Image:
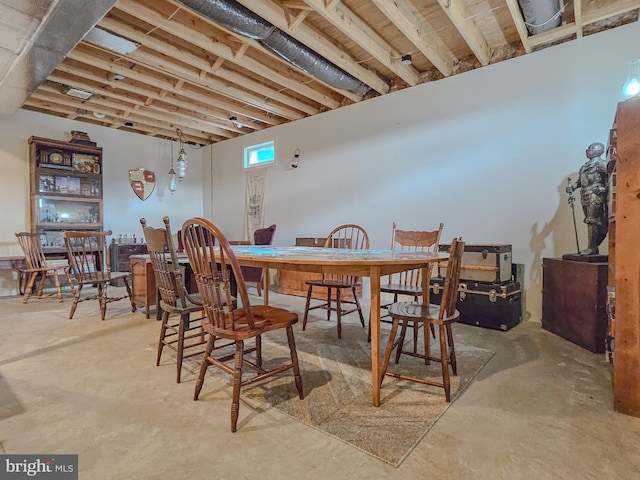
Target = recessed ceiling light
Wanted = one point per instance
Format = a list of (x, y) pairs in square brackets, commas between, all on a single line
[(111, 41), (77, 93)]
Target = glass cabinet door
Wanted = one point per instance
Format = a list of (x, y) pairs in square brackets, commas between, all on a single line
[(66, 213), (54, 183)]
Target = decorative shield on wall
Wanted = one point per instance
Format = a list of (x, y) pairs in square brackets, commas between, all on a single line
[(142, 182)]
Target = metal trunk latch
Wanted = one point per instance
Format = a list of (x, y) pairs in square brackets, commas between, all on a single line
[(493, 295)]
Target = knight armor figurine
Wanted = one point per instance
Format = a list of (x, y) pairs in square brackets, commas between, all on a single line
[(592, 182)]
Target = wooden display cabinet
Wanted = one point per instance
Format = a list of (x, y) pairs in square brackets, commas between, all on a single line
[(624, 257), (66, 189)]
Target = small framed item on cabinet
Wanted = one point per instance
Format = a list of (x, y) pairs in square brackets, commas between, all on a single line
[(85, 163), (55, 159)]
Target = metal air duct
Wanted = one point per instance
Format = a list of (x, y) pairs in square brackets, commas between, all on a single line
[(541, 15), (63, 26), (239, 19)]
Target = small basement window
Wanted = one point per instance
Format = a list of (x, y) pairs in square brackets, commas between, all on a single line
[(260, 155)]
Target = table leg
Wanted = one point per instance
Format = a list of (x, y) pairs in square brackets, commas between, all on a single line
[(265, 285), (374, 318), (426, 283)]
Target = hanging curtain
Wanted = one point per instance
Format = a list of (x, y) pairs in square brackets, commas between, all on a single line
[(254, 206)]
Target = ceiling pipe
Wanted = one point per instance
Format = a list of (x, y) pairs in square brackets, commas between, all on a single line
[(541, 15), (239, 19)]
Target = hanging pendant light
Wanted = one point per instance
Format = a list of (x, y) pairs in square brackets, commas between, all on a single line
[(182, 156), (172, 174), (631, 86)]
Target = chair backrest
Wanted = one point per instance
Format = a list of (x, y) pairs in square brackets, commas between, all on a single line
[(349, 237), (32, 250), (264, 236), (180, 248), (88, 255), (212, 268), (414, 241), (169, 279), (450, 293)]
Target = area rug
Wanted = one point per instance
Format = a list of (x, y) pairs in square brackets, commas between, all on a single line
[(336, 376)]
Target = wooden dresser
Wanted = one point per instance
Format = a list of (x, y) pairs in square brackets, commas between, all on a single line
[(574, 299)]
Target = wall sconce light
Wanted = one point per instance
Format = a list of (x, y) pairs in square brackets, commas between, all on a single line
[(631, 86), (295, 163), (182, 156)]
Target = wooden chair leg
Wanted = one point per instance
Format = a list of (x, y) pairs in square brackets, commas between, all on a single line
[(102, 297), (388, 349), (134, 307), (76, 298), (426, 338), (353, 291), (163, 333), (444, 359), (452, 351), (184, 322), (56, 281), (294, 361), (237, 381), (415, 327), (29, 289), (400, 347), (43, 278), (259, 351), (203, 366), (259, 287), (338, 312), (306, 308), (328, 303)]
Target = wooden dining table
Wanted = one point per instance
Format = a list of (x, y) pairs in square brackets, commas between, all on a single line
[(373, 264)]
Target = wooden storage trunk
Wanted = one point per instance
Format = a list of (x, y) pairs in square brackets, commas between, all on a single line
[(483, 263), (489, 305)]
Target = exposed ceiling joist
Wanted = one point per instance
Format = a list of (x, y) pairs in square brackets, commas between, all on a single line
[(183, 69)]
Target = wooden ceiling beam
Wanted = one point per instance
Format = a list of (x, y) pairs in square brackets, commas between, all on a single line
[(577, 15), (216, 118), (215, 86), (403, 16), (353, 26), (111, 107), (457, 13), (518, 20), (156, 45), (595, 11), (221, 50), (40, 103), (160, 83), (589, 15), (221, 110), (319, 43)]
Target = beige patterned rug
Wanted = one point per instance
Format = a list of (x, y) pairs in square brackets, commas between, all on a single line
[(336, 376)]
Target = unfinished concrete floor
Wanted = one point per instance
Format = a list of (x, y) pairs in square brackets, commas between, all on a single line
[(540, 409)]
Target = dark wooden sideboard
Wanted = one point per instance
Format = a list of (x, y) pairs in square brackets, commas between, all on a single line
[(574, 299), (120, 253)]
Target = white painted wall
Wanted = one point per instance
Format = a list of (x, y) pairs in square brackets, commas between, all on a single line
[(122, 151), (487, 152)]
